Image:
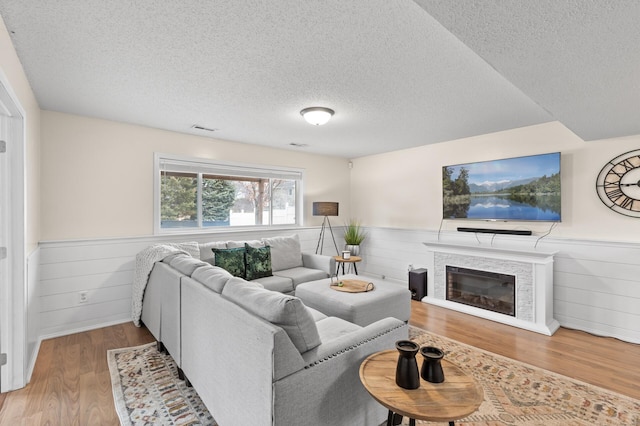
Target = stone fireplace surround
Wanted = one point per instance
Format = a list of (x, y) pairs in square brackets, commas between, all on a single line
[(532, 268)]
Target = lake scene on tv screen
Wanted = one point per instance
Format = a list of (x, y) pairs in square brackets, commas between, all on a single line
[(521, 188)]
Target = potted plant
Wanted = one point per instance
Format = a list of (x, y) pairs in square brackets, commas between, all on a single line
[(353, 236)]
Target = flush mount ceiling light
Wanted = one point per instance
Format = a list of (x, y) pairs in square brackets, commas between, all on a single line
[(317, 115)]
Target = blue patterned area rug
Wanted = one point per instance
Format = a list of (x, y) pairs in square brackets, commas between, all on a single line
[(147, 391)]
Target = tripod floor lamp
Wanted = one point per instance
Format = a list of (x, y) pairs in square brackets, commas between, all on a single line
[(326, 209)]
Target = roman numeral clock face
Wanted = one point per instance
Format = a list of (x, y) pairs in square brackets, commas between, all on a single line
[(618, 184)]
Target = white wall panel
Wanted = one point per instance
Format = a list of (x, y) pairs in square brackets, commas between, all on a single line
[(94, 297), (596, 283), (104, 268), (85, 282)]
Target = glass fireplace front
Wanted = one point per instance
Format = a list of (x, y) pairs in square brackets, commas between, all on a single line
[(482, 289)]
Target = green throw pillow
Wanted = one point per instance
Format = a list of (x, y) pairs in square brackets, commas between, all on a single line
[(232, 260), (258, 262)]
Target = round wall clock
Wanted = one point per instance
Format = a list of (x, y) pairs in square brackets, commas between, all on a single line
[(618, 184)]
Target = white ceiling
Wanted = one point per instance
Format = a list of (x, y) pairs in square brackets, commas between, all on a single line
[(398, 73)]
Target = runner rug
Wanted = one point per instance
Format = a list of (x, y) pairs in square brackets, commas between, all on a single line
[(147, 390)]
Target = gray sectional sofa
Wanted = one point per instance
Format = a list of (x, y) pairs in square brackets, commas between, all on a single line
[(253, 351)]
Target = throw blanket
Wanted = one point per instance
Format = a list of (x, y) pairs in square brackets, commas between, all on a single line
[(144, 264)]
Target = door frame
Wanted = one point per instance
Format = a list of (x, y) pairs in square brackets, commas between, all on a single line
[(13, 303)]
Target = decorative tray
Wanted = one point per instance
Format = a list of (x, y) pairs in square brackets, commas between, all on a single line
[(353, 286)]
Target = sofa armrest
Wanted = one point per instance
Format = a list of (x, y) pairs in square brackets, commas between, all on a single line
[(319, 261)]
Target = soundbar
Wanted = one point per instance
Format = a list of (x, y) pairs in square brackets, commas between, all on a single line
[(496, 231)]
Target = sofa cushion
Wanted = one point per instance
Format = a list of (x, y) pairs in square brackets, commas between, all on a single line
[(276, 283), (257, 262), (186, 264), (238, 244), (212, 277), (302, 275), (317, 316), (285, 252), (330, 328), (231, 259), (287, 312), (168, 259), (206, 253)]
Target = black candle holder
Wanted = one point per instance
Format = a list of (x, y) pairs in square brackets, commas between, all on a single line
[(407, 375), (431, 370)]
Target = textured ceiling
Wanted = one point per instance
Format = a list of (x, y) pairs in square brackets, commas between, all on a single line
[(398, 73)]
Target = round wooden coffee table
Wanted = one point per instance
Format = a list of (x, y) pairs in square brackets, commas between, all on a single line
[(351, 261), (457, 397)]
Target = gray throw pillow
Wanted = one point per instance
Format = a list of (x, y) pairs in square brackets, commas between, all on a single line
[(287, 312), (285, 252)]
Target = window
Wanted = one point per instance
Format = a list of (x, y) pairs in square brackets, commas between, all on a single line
[(198, 194)]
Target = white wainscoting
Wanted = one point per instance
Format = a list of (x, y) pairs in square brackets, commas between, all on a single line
[(596, 283), (104, 269)]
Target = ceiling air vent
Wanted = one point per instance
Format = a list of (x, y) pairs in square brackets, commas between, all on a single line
[(202, 128)]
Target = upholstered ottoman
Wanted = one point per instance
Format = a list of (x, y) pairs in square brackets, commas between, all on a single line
[(385, 300)]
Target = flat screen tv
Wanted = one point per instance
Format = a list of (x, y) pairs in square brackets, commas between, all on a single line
[(520, 188)]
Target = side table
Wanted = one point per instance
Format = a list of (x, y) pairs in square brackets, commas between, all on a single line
[(455, 398), (351, 261)]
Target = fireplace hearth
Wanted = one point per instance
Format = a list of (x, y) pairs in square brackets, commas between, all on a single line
[(482, 289)]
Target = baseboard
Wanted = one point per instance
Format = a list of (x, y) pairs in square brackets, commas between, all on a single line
[(83, 329)]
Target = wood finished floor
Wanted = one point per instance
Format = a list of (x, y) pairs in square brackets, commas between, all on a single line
[(71, 384)]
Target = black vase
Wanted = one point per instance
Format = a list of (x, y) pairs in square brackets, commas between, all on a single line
[(431, 370), (407, 375)]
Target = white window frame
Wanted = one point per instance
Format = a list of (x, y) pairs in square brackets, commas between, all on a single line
[(228, 168)]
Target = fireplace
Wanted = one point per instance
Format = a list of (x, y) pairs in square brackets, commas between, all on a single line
[(482, 289), (520, 283)]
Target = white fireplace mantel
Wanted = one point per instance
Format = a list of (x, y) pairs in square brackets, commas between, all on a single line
[(534, 281)]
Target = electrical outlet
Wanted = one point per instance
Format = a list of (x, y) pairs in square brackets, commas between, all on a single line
[(83, 297)]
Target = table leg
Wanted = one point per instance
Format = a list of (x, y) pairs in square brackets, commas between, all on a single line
[(394, 419), (355, 268)]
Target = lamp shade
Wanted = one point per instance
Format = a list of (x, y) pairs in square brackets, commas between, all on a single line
[(325, 208), (317, 115)]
